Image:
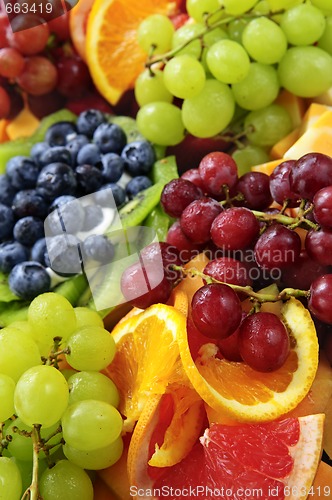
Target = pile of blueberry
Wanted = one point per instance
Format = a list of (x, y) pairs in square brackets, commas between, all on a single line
[(76, 159)]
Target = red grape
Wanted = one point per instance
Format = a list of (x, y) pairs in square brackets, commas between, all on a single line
[(28, 41), (229, 347), (43, 105), (176, 196), (4, 103), (303, 272), (74, 78), (60, 27), (323, 207), (188, 249), (263, 341), (256, 190), (277, 247), (11, 62), (311, 173), (234, 229), (318, 244), (39, 76), (218, 170), (4, 24), (197, 218), (162, 254), (216, 310), (280, 184), (193, 176), (319, 303), (229, 270)]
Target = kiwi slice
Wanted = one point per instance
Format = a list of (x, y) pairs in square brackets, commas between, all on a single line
[(164, 170), (137, 209), (159, 221)]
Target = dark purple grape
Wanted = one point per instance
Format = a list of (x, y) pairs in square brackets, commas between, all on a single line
[(216, 310), (277, 247), (187, 248), (280, 184), (323, 207), (303, 272), (319, 303), (263, 341), (311, 173), (318, 244), (197, 218), (234, 229), (256, 190), (217, 170), (229, 270), (177, 195)]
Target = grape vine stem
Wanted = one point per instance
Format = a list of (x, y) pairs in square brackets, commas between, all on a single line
[(32, 492)]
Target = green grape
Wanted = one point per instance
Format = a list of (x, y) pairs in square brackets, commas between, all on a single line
[(22, 326), (264, 40), (91, 348), (210, 39), (198, 9), (262, 8), (87, 317), (25, 469), (95, 459), (91, 424), (247, 157), (236, 7), (306, 71), (155, 31), (18, 352), (276, 5), (10, 480), (41, 396), (68, 372), (323, 5), (325, 41), (184, 35), (150, 87), (21, 446), (267, 126), (228, 61), (210, 112), (184, 76), (51, 315), (236, 28), (92, 385), (161, 123), (7, 388), (258, 89), (65, 481), (303, 24)]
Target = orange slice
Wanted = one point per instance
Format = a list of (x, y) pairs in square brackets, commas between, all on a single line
[(78, 18), (113, 55)]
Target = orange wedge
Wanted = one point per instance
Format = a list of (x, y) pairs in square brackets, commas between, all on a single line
[(113, 55), (78, 18)]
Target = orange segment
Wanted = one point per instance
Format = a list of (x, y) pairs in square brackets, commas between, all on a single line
[(78, 17), (113, 55)]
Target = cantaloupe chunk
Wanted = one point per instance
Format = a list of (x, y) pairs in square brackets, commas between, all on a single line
[(24, 125), (268, 167), (318, 138), (295, 106), (280, 148)]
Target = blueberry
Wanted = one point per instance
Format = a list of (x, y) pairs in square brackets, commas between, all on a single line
[(138, 156), (102, 196), (75, 144), (7, 221), (29, 279), (112, 167), (39, 251), (98, 247), (64, 255), (37, 150), (56, 154), (89, 178), (28, 230), (22, 172), (110, 138), (136, 185), (67, 215), (11, 253), (89, 154), (93, 217), (7, 191), (60, 133), (89, 120), (56, 179), (29, 202)]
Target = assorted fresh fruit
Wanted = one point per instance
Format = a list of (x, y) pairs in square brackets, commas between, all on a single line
[(165, 279)]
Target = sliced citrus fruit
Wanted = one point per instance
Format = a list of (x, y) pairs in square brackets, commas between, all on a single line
[(113, 55), (271, 460), (248, 395), (147, 357), (78, 18)]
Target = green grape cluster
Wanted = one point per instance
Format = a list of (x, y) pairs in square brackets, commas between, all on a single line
[(56, 423), (232, 55)]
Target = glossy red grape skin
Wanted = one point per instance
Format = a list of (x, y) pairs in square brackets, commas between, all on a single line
[(217, 170), (229, 347), (216, 310), (303, 272), (197, 218), (323, 207), (319, 303), (228, 270), (73, 77), (193, 176), (164, 254), (29, 41), (176, 196), (280, 184), (311, 173), (234, 229), (187, 248), (263, 341), (318, 245), (11, 62), (39, 76), (277, 247), (255, 187)]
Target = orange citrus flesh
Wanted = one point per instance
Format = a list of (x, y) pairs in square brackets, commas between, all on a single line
[(113, 55), (78, 18)]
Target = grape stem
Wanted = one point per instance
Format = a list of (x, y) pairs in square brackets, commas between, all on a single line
[(260, 297), (286, 220), (32, 492)]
